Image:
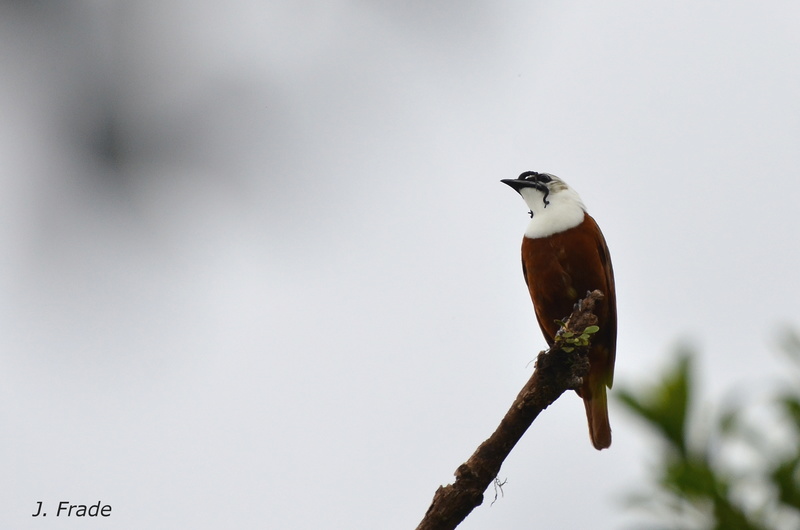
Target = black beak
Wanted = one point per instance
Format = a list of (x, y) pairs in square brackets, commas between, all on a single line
[(518, 184)]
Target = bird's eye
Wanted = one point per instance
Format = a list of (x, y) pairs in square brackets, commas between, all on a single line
[(529, 175), (533, 176)]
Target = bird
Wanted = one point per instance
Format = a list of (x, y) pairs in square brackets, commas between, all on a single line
[(564, 255)]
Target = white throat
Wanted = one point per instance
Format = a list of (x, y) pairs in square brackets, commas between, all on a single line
[(564, 210)]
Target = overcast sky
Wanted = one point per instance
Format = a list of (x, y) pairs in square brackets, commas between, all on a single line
[(258, 269)]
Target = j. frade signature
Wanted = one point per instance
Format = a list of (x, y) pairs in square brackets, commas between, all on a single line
[(65, 509)]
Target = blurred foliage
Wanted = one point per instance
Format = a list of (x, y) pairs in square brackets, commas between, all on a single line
[(733, 469)]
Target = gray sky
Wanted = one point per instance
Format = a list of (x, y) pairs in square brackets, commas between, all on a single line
[(259, 271)]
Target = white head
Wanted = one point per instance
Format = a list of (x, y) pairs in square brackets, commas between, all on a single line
[(555, 207)]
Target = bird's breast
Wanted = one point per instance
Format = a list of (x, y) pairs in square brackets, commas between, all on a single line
[(560, 269)]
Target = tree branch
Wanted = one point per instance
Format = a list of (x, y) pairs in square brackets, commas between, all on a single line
[(556, 371)]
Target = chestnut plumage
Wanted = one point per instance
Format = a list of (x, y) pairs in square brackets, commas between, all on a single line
[(564, 255)]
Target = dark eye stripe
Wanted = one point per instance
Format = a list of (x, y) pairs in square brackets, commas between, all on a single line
[(535, 177)]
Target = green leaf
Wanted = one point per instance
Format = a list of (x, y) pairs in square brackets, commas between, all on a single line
[(729, 421), (790, 343), (592, 329), (691, 478), (786, 477), (665, 405), (791, 405)]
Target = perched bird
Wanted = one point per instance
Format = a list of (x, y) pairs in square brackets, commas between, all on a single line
[(564, 255)]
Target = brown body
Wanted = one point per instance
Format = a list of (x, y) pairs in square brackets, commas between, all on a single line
[(559, 270)]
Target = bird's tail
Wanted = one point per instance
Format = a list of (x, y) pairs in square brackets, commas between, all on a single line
[(596, 403)]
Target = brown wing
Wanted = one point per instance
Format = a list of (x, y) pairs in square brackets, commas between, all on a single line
[(611, 296)]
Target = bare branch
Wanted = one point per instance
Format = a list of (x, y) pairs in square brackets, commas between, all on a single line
[(556, 371)]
